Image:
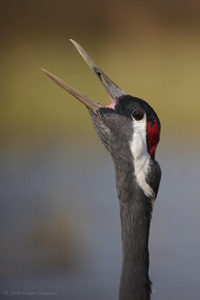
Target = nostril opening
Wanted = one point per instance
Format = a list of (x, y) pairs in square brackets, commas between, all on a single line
[(99, 75), (101, 78)]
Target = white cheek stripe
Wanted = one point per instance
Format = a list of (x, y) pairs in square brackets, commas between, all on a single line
[(141, 157)]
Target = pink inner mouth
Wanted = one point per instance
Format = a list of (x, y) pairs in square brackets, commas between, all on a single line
[(112, 105)]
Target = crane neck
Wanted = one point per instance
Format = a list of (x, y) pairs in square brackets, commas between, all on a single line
[(135, 214)]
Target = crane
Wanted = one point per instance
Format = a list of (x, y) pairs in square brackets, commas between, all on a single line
[(129, 128)]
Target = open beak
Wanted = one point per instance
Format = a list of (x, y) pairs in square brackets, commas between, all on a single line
[(112, 89)]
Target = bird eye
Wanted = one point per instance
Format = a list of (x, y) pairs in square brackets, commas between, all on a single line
[(138, 114)]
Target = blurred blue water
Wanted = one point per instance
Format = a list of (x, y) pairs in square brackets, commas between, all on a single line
[(73, 190)]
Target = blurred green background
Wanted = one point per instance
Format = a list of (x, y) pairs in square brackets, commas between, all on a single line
[(53, 220), (150, 49)]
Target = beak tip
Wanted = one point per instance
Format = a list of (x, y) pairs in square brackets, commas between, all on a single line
[(76, 45), (45, 71)]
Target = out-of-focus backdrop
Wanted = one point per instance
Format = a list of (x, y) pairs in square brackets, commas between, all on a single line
[(59, 215)]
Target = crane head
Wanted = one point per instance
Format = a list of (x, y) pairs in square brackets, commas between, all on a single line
[(128, 127)]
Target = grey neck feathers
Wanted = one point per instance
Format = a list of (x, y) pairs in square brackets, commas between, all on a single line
[(135, 213)]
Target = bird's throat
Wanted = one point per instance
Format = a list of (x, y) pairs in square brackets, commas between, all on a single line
[(135, 213)]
